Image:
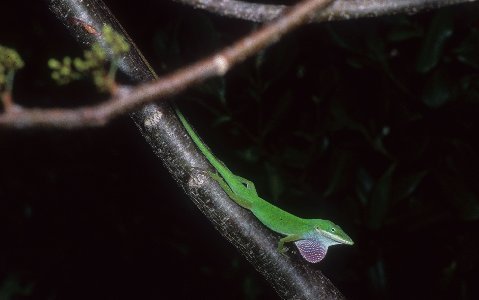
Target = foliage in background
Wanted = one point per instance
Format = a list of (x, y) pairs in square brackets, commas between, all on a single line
[(371, 123), (93, 62), (375, 127)]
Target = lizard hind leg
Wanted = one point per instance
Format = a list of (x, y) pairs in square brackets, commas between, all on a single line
[(241, 201), (248, 184)]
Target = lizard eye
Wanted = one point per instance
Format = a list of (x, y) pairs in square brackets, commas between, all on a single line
[(333, 229)]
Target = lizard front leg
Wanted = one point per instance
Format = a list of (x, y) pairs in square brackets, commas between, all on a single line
[(287, 239)]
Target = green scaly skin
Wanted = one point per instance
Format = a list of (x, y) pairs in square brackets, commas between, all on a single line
[(322, 233)]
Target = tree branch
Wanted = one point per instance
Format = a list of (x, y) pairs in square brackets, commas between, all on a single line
[(129, 99), (339, 10), (291, 277), (215, 65)]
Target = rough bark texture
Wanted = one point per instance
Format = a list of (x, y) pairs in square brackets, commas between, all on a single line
[(339, 10)]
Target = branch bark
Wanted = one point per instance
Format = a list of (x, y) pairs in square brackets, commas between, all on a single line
[(339, 10), (291, 277)]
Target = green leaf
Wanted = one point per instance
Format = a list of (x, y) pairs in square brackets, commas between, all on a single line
[(380, 199), (468, 51), (365, 184), (221, 119), (404, 30), (340, 162), (250, 154), (405, 186), (438, 90), (463, 200), (376, 49), (276, 185), (440, 29), (295, 158), (215, 88)]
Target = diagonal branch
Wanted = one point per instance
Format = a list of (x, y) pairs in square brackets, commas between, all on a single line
[(131, 98), (290, 277), (339, 10)]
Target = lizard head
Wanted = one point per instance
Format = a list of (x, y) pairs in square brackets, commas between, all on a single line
[(329, 233), (316, 241)]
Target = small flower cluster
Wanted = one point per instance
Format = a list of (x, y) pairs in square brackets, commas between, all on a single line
[(10, 62), (93, 62)]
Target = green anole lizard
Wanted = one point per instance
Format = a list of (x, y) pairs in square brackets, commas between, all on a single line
[(312, 237)]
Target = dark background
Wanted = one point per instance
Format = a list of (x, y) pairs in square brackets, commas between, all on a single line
[(369, 123)]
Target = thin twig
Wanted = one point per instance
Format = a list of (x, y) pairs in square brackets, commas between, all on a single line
[(339, 10), (131, 98)]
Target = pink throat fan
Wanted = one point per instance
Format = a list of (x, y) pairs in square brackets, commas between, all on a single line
[(311, 250)]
